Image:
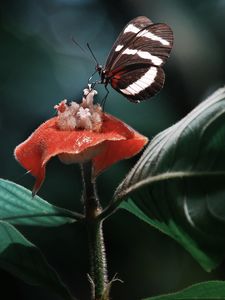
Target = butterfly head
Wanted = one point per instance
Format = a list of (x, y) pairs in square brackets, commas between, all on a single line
[(102, 73), (99, 69)]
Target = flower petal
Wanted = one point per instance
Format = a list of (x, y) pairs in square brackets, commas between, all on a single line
[(116, 141), (120, 149)]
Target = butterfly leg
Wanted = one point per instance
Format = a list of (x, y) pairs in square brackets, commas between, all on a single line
[(90, 84), (89, 80), (105, 98)]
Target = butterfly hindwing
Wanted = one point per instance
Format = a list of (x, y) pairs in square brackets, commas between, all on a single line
[(139, 83)]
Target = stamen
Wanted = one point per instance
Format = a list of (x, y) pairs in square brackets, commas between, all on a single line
[(86, 116)]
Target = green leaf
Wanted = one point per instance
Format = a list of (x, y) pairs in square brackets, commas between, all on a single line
[(24, 260), (210, 290), (18, 207), (178, 185)]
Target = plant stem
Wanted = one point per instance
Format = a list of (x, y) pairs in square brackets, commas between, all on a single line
[(98, 270)]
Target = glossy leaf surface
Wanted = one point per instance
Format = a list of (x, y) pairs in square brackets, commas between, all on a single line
[(209, 290), (24, 260), (18, 207), (178, 185)]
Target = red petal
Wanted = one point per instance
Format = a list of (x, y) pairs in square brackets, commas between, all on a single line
[(120, 149), (118, 140)]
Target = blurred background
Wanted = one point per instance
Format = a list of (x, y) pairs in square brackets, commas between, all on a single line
[(40, 66)]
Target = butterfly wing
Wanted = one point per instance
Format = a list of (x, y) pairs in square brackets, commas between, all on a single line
[(138, 83), (125, 38), (137, 56), (144, 50)]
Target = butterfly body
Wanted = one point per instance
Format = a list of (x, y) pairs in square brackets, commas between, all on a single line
[(133, 67)]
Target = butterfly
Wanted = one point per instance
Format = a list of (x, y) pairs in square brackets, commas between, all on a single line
[(134, 65)]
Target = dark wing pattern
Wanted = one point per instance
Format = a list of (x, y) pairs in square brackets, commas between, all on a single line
[(134, 63), (125, 38), (150, 45), (140, 83)]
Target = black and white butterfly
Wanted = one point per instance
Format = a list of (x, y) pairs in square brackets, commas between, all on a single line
[(134, 64)]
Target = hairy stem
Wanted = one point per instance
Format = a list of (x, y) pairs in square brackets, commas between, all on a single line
[(98, 268)]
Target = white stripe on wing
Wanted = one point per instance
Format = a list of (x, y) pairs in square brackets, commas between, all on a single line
[(145, 33), (144, 54), (118, 47), (141, 84), (131, 28)]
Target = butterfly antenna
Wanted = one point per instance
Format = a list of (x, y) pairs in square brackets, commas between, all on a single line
[(78, 45), (92, 54), (96, 68), (85, 51)]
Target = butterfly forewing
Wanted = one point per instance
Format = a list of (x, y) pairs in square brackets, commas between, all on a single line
[(150, 45), (125, 38)]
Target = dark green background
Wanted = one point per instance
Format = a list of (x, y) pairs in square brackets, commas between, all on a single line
[(40, 66)]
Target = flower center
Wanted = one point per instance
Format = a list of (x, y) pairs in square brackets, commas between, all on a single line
[(86, 116)]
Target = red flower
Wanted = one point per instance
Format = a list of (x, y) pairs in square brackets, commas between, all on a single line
[(79, 133)]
